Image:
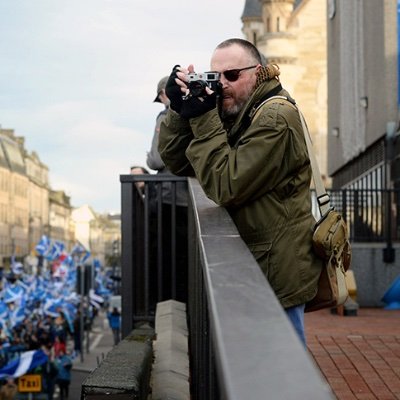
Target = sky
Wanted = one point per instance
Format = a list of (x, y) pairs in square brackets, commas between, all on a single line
[(78, 79)]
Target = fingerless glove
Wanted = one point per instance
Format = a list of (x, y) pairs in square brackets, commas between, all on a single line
[(195, 106), (173, 91)]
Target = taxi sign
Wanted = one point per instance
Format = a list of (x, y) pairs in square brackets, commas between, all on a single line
[(30, 383)]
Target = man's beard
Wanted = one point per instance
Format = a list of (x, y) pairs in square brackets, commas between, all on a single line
[(233, 111)]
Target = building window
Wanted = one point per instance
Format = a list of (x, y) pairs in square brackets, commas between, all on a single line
[(277, 25)]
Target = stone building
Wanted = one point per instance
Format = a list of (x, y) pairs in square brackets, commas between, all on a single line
[(14, 202), (61, 227), (29, 209), (97, 232), (38, 197), (292, 34)]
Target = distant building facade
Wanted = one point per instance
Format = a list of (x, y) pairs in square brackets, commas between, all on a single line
[(29, 209), (292, 34), (61, 227), (38, 197), (363, 84), (14, 202), (97, 232)]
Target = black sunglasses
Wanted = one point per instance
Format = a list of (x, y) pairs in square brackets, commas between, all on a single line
[(232, 75)]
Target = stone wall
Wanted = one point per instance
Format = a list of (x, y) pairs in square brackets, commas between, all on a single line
[(372, 275)]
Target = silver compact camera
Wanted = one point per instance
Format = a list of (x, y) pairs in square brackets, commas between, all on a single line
[(197, 82)]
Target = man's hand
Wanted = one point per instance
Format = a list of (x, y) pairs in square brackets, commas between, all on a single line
[(194, 106), (181, 100), (174, 89)]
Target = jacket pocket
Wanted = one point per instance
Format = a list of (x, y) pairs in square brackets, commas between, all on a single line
[(261, 252)]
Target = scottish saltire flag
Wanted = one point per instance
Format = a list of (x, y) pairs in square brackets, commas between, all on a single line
[(95, 300), (68, 261), (3, 313), (43, 246), (85, 256), (13, 294), (55, 251), (18, 314), (80, 251), (69, 311), (27, 361)]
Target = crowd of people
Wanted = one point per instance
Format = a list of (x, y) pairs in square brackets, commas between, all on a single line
[(54, 337), (42, 316)]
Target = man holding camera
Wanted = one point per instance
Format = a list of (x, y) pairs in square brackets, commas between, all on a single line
[(249, 156)]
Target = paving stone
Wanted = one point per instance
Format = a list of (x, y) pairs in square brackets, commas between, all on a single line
[(358, 355)]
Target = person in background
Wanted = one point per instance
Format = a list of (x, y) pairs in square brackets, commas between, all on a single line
[(77, 335), (249, 156), (8, 390), (137, 170), (114, 319), (63, 380), (154, 160), (174, 195)]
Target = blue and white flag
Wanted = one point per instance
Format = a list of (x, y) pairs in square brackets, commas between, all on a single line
[(17, 315), (28, 361), (95, 300), (17, 268), (80, 251), (43, 246), (55, 251), (13, 294), (3, 313)]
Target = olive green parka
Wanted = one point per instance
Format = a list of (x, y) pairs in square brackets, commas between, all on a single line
[(261, 174)]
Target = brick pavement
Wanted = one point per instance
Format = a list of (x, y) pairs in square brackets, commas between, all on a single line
[(367, 348)]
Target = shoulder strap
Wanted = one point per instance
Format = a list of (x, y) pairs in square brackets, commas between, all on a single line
[(322, 196)]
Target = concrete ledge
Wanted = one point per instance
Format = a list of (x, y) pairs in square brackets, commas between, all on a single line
[(170, 377), (125, 372)]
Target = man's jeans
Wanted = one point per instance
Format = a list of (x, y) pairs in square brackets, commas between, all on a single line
[(296, 316)]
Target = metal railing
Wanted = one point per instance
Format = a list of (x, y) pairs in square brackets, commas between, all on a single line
[(372, 215), (154, 246), (241, 343)]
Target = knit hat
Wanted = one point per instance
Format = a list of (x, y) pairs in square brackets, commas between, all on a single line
[(161, 86)]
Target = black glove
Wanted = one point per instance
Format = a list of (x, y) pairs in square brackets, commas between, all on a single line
[(194, 106), (173, 91)]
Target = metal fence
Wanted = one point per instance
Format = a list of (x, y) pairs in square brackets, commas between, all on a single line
[(241, 342), (371, 215), (154, 245), (242, 345), (154, 237)]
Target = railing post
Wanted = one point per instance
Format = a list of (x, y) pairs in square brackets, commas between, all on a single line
[(389, 254), (127, 255)]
